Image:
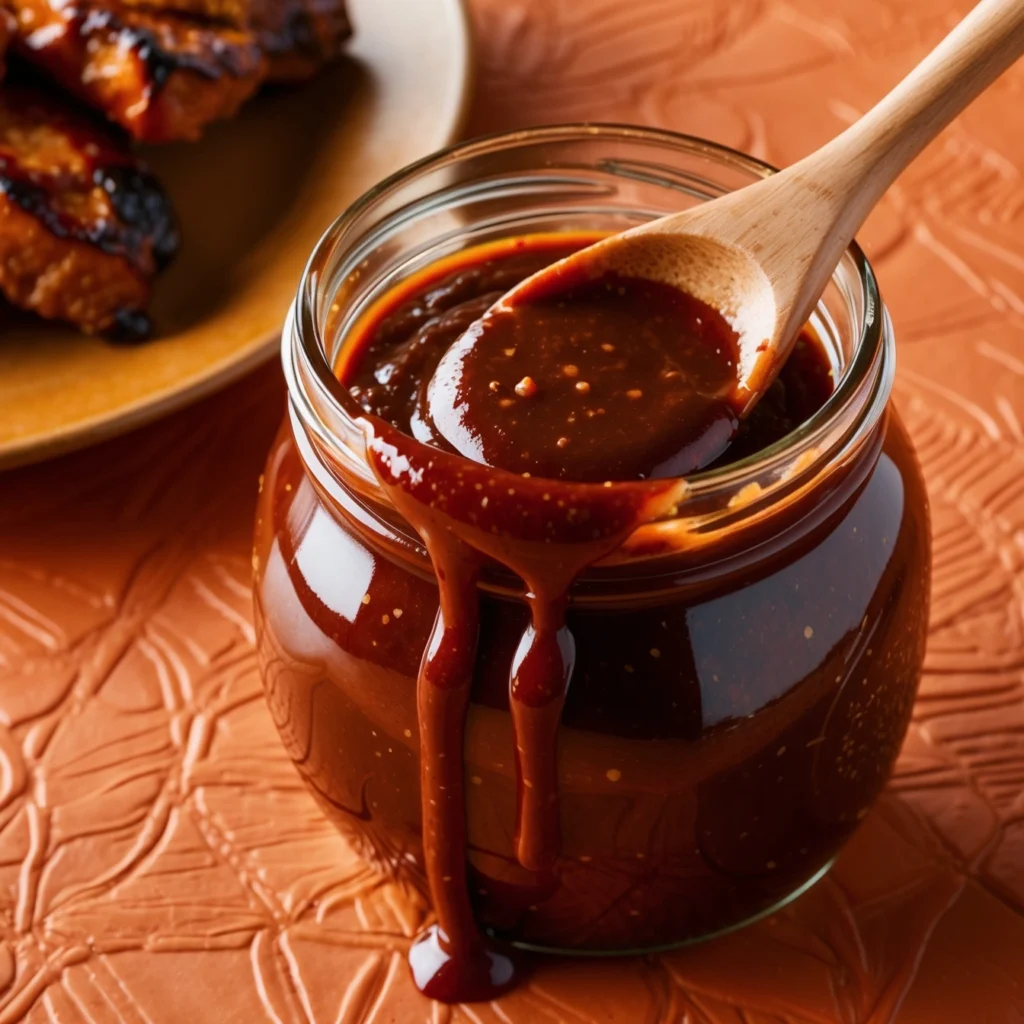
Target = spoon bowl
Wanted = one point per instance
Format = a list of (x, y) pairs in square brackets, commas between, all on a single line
[(722, 275)]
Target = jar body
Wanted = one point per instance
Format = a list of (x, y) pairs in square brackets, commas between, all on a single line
[(722, 735)]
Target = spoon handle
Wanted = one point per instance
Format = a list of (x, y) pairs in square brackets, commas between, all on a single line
[(866, 158), (801, 220)]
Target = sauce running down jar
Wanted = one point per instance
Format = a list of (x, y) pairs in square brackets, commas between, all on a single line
[(746, 645)]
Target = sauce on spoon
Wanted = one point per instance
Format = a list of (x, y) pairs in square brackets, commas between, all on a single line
[(449, 454), (596, 378)]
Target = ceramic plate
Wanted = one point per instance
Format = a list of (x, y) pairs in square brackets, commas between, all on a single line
[(253, 198)]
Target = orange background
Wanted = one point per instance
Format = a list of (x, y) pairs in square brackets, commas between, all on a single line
[(159, 859)]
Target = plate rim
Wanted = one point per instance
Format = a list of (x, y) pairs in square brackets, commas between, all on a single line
[(174, 397)]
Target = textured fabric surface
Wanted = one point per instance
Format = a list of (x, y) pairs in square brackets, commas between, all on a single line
[(159, 858)]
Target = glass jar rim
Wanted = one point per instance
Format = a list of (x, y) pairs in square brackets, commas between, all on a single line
[(865, 383)]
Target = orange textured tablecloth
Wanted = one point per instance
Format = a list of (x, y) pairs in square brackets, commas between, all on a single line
[(159, 858)]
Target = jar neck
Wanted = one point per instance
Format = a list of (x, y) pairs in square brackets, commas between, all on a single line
[(563, 178), (727, 518)]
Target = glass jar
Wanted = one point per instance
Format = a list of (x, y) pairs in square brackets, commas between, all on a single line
[(746, 666)]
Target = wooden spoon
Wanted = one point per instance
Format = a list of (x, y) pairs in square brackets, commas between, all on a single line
[(763, 255)]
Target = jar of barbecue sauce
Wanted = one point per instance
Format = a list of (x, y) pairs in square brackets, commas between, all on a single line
[(723, 665)]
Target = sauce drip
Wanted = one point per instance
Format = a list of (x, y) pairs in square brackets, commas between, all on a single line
[(547, 534), (546, 530)]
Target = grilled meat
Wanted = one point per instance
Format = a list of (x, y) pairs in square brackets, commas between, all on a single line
[(270, 15), (299, 37), (161, 77), (224, 12), (165, 76), (6, 31), (83, 226)]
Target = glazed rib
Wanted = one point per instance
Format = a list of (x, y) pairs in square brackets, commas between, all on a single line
[(161, 77), (317, 25), (226, 12), (6, 32), (83, 226), (300, 37)]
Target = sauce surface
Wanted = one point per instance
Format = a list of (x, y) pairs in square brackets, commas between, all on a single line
[(611, 379), (544, 529)]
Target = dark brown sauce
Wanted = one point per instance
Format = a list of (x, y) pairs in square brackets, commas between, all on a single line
[(396, 349), (546, 531), (611, 378)]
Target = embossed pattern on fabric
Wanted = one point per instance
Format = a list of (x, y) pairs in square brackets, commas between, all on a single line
[(160, 860)]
